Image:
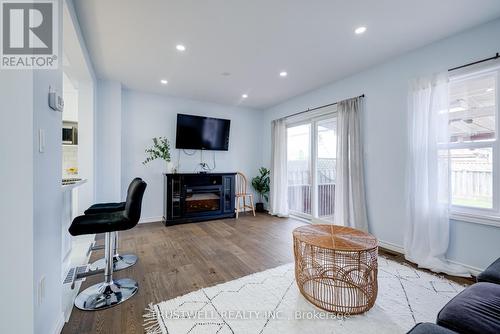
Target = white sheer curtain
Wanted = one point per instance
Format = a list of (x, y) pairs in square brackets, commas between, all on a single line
[(350, 203), (279, 183), (427, 233)]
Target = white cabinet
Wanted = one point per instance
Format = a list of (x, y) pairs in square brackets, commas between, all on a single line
[(70, 113)]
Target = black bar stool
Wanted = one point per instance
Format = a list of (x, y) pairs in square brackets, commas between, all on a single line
[(110, 292), (120, 261)]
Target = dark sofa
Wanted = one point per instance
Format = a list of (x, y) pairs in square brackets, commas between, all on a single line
[(491, 274), (476, 310)]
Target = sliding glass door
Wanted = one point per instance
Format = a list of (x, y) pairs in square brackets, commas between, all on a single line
[(299, 169), (311, 167), (326, 153)]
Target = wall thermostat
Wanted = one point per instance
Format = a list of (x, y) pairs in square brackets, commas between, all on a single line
[(56, 101)]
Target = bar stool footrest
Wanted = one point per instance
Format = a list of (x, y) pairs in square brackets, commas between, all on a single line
[(94, 247), (120, 262), (104, 295)]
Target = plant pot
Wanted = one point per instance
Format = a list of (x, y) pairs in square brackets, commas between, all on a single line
[(169, 166), (259, 207)]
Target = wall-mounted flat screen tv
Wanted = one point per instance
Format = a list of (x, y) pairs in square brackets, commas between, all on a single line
[(202, 133)]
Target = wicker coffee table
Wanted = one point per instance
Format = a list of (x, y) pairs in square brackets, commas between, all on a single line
[(336, 267)]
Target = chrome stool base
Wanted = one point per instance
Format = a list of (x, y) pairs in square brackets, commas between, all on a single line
[(120, 262), (104, 295)]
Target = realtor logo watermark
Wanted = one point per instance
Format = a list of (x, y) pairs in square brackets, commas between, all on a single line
[(29, 34)]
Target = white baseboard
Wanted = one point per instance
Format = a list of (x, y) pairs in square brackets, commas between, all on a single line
[(399, 249), (473, 270), (59, 324), (160, 218), (151, 220), (391, 246)]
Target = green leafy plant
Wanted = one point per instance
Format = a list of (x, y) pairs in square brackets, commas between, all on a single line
[(261, 183), (159, 150)]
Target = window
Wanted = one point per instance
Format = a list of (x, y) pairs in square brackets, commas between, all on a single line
[(473, 165), (311, 164)]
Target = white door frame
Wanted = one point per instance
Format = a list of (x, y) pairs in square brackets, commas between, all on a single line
[(313, 121)]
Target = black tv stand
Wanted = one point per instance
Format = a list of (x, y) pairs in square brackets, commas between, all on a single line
[(193, 197)]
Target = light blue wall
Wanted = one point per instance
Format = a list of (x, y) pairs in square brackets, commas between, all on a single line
[(47, 198), (48, 201), (31, 204), (108, 141), (31, 201), (16, 201), (474, 244), (81, 68), (385, 138), (148, 115)]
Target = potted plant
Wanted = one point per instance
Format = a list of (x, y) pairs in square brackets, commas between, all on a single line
[(159, 150), (261, 185)]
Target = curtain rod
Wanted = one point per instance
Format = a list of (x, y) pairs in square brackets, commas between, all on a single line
[(476, 62), (316, 108)]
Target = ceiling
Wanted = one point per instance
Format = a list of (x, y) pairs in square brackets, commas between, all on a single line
[(134, 42)]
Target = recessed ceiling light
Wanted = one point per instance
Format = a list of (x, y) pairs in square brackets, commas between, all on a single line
[(283, 74), (360, 30), (244, 96), (489, 90), (163, 81), (180, 47)]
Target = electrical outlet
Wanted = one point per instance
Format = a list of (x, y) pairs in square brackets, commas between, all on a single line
[(41, 291)]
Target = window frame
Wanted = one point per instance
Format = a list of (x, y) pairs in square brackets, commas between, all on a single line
[(486, 216), (292, 124), (312, 118)]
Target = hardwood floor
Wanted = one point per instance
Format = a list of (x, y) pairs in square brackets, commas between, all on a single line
[(179, 259)]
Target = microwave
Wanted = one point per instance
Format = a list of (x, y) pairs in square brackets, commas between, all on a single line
[(70, 134)]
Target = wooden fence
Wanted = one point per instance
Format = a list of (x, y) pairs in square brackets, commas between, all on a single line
[(466, 185)]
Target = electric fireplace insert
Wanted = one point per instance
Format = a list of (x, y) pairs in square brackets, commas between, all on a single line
[(198, 197)]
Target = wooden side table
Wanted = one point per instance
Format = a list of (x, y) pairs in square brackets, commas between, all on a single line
[(336, 267)]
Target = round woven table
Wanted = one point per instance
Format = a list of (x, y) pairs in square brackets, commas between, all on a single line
[(336, 267)]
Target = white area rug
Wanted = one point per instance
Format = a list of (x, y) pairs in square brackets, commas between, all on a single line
[(270, 302)]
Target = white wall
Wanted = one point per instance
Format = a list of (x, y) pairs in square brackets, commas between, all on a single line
[(47, 203), (47, 200), (148, 115), (70, 95), (81, 70), (31, 203), (108, 141), (385, 138), (86, 144), (16, 201)]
